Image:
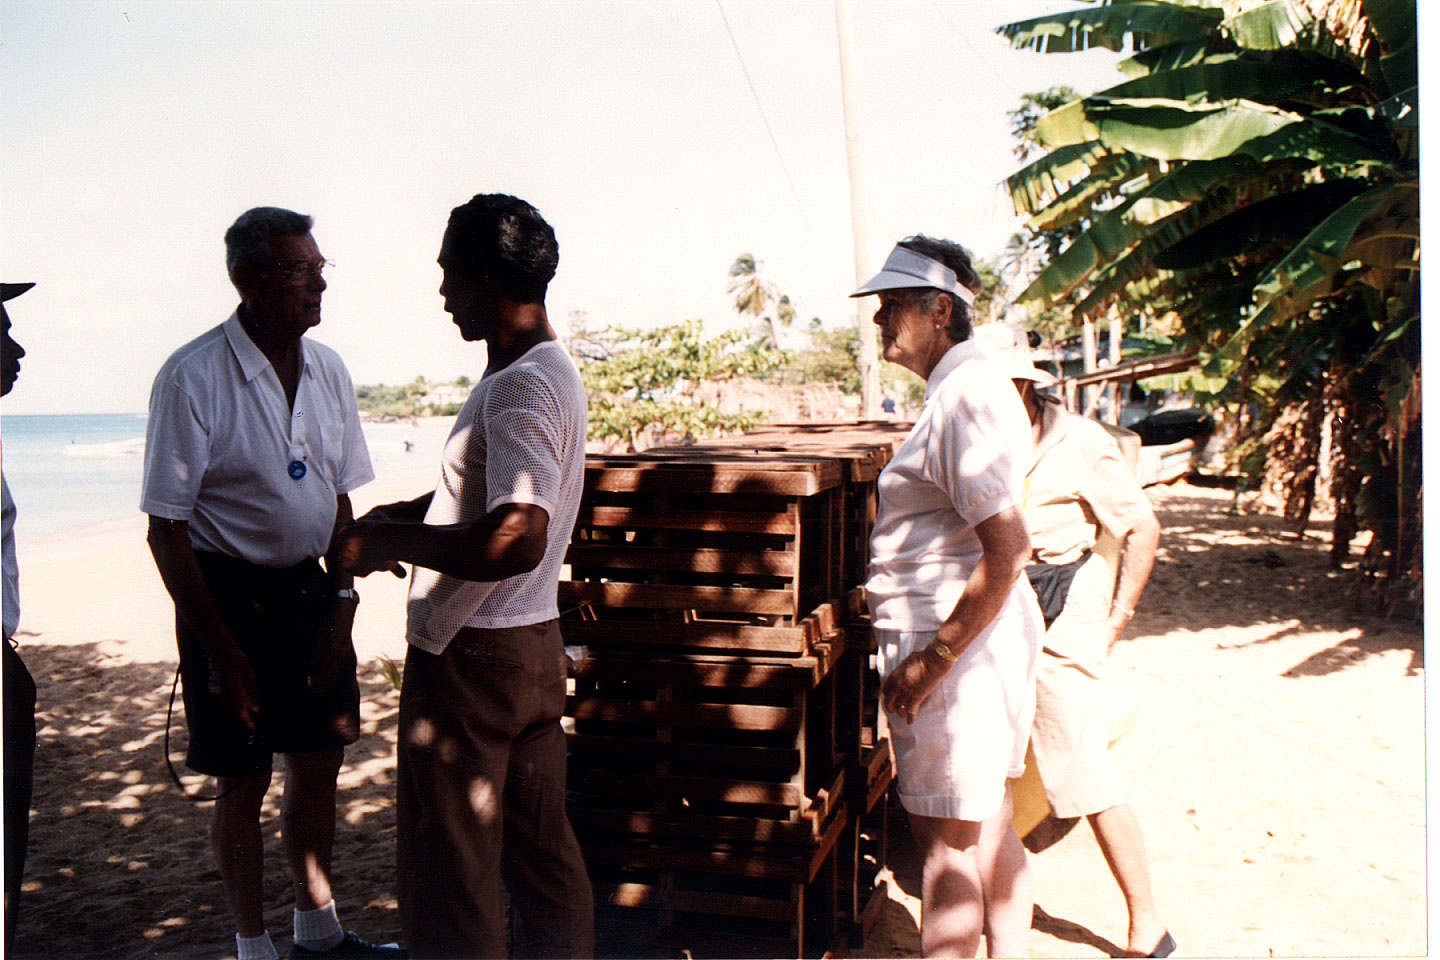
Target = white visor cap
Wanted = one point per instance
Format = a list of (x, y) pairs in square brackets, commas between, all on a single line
[(906, 268), (1007, 346)]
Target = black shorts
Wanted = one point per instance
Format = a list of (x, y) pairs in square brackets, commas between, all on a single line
[(275, 616)]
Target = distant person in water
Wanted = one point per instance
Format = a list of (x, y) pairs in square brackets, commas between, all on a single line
[(19, 687), (252, 448)]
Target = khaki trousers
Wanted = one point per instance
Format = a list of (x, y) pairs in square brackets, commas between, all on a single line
[(481, 798)]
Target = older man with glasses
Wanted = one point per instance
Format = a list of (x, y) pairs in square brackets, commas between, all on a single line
[(252, 447)]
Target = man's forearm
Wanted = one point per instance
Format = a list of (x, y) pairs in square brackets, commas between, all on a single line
[(1137, 559), (169, 542), (502, 544), (402, 511)]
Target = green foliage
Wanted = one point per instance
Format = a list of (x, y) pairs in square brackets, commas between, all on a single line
[(380, 400), (645, 380), (1257, 179)]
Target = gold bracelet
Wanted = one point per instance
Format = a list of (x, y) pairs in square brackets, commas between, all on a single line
[(943, 652)]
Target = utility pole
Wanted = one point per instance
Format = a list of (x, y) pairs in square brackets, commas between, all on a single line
[(869, 356)]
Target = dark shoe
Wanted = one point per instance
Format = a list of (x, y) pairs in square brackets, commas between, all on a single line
[(351, 948), (1165, 947)]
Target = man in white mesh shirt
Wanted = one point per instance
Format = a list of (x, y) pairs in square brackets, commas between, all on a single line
[(481, 755)]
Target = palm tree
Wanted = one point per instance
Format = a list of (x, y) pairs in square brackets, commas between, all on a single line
[(1256, 178), (752, 293)]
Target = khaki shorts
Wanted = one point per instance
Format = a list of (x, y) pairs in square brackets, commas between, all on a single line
[(1075, 702)]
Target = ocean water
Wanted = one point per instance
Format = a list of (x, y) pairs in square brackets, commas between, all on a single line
[(73, 474)]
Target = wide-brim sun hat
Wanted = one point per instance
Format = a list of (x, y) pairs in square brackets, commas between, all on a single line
[(1008, 347), (905, 269), (9, 291)]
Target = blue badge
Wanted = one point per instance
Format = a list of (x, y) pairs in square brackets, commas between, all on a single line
[(297, 469)]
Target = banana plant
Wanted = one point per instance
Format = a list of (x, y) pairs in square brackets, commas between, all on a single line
[(1255, 174)]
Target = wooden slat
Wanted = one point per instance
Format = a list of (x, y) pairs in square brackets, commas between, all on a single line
[(706, 635), (627, 556), (731, 521), (781, 864), (709, 902), (735, 716), (792, 479), (673, 597), (613, 823), (754, 673), (701, 789), (584, 746)]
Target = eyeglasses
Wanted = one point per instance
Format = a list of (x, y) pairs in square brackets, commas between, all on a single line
[(301, 270)]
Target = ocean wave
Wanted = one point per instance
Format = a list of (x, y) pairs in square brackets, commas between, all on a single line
[(112, 449)]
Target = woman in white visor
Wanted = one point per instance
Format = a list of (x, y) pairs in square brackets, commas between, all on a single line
[(958, 627)]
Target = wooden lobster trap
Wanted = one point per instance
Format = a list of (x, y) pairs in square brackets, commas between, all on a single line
[(720, 552)]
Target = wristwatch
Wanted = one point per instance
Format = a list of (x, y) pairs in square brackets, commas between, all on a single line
[(348, 593)]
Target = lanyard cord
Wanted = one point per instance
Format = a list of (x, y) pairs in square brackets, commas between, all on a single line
[(169, 712)]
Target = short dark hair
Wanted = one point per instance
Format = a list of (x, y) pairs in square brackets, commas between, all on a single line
[(506, 237), (247, 241), (957, 258)]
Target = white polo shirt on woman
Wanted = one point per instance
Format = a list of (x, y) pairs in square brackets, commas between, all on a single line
[(963, 463)]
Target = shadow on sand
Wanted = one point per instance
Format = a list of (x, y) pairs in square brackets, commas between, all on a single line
[(119, 862)]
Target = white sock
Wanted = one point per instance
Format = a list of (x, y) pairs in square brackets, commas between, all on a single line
[(317, 929), (255, 948)]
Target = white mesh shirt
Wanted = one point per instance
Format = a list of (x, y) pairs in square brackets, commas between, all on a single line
[(519, 438)]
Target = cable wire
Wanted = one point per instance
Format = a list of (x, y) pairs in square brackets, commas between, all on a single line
[(763, 118)]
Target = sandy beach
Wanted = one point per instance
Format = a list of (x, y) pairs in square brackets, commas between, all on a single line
[(1276, 766)]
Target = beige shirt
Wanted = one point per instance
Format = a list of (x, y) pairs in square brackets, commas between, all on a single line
[(1078, 484)]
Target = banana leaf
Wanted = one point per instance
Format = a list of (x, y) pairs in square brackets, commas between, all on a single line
[(1038, 183), (1114, 232), (1309, 270), (1103, 184), (1285, 218), (1175, 130), (1172, 56), (1400, 67), (1147, 24), (1392, 20), (1270, 26), (1263, 77)]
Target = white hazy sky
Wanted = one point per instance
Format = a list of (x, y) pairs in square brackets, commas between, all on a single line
[(136, 131)]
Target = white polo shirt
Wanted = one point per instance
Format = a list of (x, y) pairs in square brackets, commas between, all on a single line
[(222, 443), (519, 438), (964, 462)]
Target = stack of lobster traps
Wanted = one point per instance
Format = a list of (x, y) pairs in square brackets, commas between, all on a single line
[(727, 777)]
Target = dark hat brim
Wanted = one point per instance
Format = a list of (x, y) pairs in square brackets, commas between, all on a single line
[(9, 291)]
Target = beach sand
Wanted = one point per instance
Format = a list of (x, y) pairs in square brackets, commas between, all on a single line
[(1276, 766)]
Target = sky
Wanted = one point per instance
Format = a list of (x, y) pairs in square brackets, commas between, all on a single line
[(137, 131)]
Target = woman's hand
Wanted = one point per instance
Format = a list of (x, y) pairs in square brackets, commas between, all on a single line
[(912, 682)]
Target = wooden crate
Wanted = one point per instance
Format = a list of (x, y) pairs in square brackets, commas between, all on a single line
[(863, 449), (701, 550), (674, 899), (705, 746), (861, 853)]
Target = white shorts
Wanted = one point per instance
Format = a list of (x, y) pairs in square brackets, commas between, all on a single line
[(969, 735)]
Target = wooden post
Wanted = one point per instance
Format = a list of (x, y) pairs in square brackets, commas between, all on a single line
[(869, 355)]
